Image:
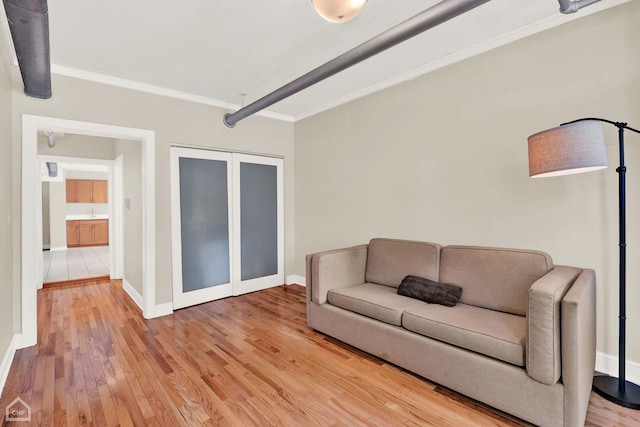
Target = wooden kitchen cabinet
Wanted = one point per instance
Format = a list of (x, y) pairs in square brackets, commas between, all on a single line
[(72, 234), (99, 191), (101, 232), (87, 191), (87, 232), (71, 190), (84, 191)]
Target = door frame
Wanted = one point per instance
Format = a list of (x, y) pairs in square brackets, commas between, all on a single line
[(32, 210)]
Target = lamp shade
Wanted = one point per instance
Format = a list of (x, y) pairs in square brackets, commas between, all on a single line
[(568, 149), (338, 10)]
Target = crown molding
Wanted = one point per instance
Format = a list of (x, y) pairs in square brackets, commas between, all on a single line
[(156, 90), (460, 55)]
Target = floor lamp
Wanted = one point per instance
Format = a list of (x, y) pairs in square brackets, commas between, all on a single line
[(574, 147)]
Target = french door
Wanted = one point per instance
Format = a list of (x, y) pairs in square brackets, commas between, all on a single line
[(227, 224)]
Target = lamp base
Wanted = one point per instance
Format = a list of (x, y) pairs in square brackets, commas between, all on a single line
[(607, 387)]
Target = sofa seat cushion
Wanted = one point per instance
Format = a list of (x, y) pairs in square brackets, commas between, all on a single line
[(492, 333), (376, 301)]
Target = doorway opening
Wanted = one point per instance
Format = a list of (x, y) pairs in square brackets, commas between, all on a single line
[(77, 213), (31, 229)]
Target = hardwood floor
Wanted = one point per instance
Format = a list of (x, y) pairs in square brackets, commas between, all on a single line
[(243, 361)]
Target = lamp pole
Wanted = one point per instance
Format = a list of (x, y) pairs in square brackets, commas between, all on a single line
[(622, 220), (619, 390)]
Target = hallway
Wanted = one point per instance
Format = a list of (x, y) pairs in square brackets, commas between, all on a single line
[(75, 263)]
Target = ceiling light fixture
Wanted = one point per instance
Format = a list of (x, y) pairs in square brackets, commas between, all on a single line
[(338, 11)]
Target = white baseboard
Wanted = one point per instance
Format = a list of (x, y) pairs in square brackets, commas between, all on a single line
[(132, 292), (163, 309), (296, 279), (609, 365), (14, 344), (159, 310)]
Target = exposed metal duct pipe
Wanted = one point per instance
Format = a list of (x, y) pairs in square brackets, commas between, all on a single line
[(569, 6), (29, 25), (421, 22)]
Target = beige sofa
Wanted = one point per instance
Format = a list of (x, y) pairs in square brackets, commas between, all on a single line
[(521, 338)]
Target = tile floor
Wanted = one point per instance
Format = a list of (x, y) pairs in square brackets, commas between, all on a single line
[(75, 263)]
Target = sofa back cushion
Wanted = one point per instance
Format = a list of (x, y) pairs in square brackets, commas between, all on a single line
[(493, 278), (389, 261)]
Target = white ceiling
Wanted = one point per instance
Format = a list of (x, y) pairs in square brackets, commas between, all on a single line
[(214, 51)]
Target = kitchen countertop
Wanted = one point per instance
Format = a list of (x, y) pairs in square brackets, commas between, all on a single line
[(88, 216)]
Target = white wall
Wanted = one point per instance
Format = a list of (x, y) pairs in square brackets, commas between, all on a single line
[(443, 158), (46, 221), (74, 174), (57, 215), (8, 297), (132, 210), (73, 145)]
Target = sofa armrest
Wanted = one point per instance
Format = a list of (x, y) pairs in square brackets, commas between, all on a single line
[(543, 324), (339, 268), (579, 346)]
